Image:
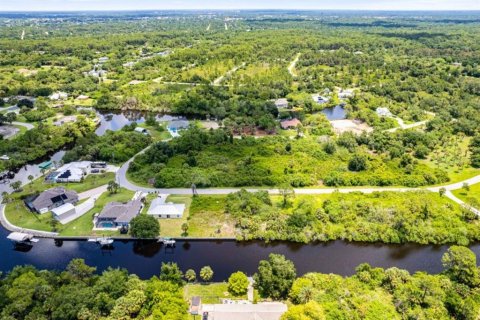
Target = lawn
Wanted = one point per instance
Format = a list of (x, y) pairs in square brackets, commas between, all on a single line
[(90, 182), (205, 217), (18, 214), (83, 225), (155, 133), (210, 293), (471, 196)]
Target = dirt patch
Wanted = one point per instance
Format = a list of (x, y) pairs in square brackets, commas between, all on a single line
[(355, 126)]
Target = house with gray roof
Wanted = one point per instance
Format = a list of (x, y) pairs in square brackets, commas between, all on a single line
[(51, 199), (117, 214), (177, 125)]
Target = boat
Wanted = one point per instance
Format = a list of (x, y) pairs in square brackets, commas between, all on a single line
[(19, 238), (169, 242), (103, 241), (4, 157)]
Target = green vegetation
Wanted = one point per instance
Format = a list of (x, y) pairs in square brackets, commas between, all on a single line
[(41, 141), (275, 277), (209, 293), (144, 227), (376, 293), (238, 283), (471, 195), (215, 159), (113, 147), (78, 293), (390, 217)]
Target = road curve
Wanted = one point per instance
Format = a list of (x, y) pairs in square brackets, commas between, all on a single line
[(29, 126)]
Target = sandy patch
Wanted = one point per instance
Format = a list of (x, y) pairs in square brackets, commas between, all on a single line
[(355, 126)]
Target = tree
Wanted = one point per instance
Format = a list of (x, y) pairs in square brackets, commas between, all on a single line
[(460, 264), (113, 187), (6, 197), (30, 179), (10, 117), (206, 273), (185, 228), (312, 310), (357, 163), (79, 270), (190, 275), (238, 283), (16, 185), (172, 273), (287, 192), (144, 227), (442, 192), (275, 276)]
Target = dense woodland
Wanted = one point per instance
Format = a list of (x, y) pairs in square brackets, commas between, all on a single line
[(422, 68), (371, 293)]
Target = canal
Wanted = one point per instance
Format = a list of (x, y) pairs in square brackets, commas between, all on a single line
[(224, 257)]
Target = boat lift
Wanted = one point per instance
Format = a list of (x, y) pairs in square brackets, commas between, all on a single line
[(20, 238)]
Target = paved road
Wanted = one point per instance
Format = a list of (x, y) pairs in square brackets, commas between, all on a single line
[(122, 180), (29, 126)]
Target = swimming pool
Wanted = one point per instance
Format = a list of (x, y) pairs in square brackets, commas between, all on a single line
[(106, 224)]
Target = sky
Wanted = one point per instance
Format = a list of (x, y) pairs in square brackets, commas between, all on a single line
[(75, 5)]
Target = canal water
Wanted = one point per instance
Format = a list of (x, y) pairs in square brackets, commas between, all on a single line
[(335, 113), (225, 257)]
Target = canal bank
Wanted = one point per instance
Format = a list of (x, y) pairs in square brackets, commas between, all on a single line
[(145, 258)]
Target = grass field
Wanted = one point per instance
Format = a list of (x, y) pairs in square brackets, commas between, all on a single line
[(204, 215), (471, 196), (210, 293)]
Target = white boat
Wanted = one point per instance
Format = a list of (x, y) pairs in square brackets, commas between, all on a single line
[(104, 241), (21, 238), (4, 157), (167, 241)]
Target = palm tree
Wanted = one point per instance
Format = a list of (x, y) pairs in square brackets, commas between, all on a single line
[(206, 273), (30, 179)]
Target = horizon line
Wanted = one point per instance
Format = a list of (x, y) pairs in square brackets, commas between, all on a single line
[(243, 9)]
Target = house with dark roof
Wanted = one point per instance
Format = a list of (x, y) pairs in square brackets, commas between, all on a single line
[(51, 199), (117, 214)]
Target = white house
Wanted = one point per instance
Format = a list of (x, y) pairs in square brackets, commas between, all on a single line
[(58, 96), (72, 172), (320, 99), (383, 112), (281, 103), (345, 93), (141, 130), (160, 209)]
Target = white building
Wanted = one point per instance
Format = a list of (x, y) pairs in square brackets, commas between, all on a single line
[(160, 209), (58, 96), (141, 130), (72, 172), (320, 99), (63, 212), (281, 103), (383, 112), (345, 93)]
